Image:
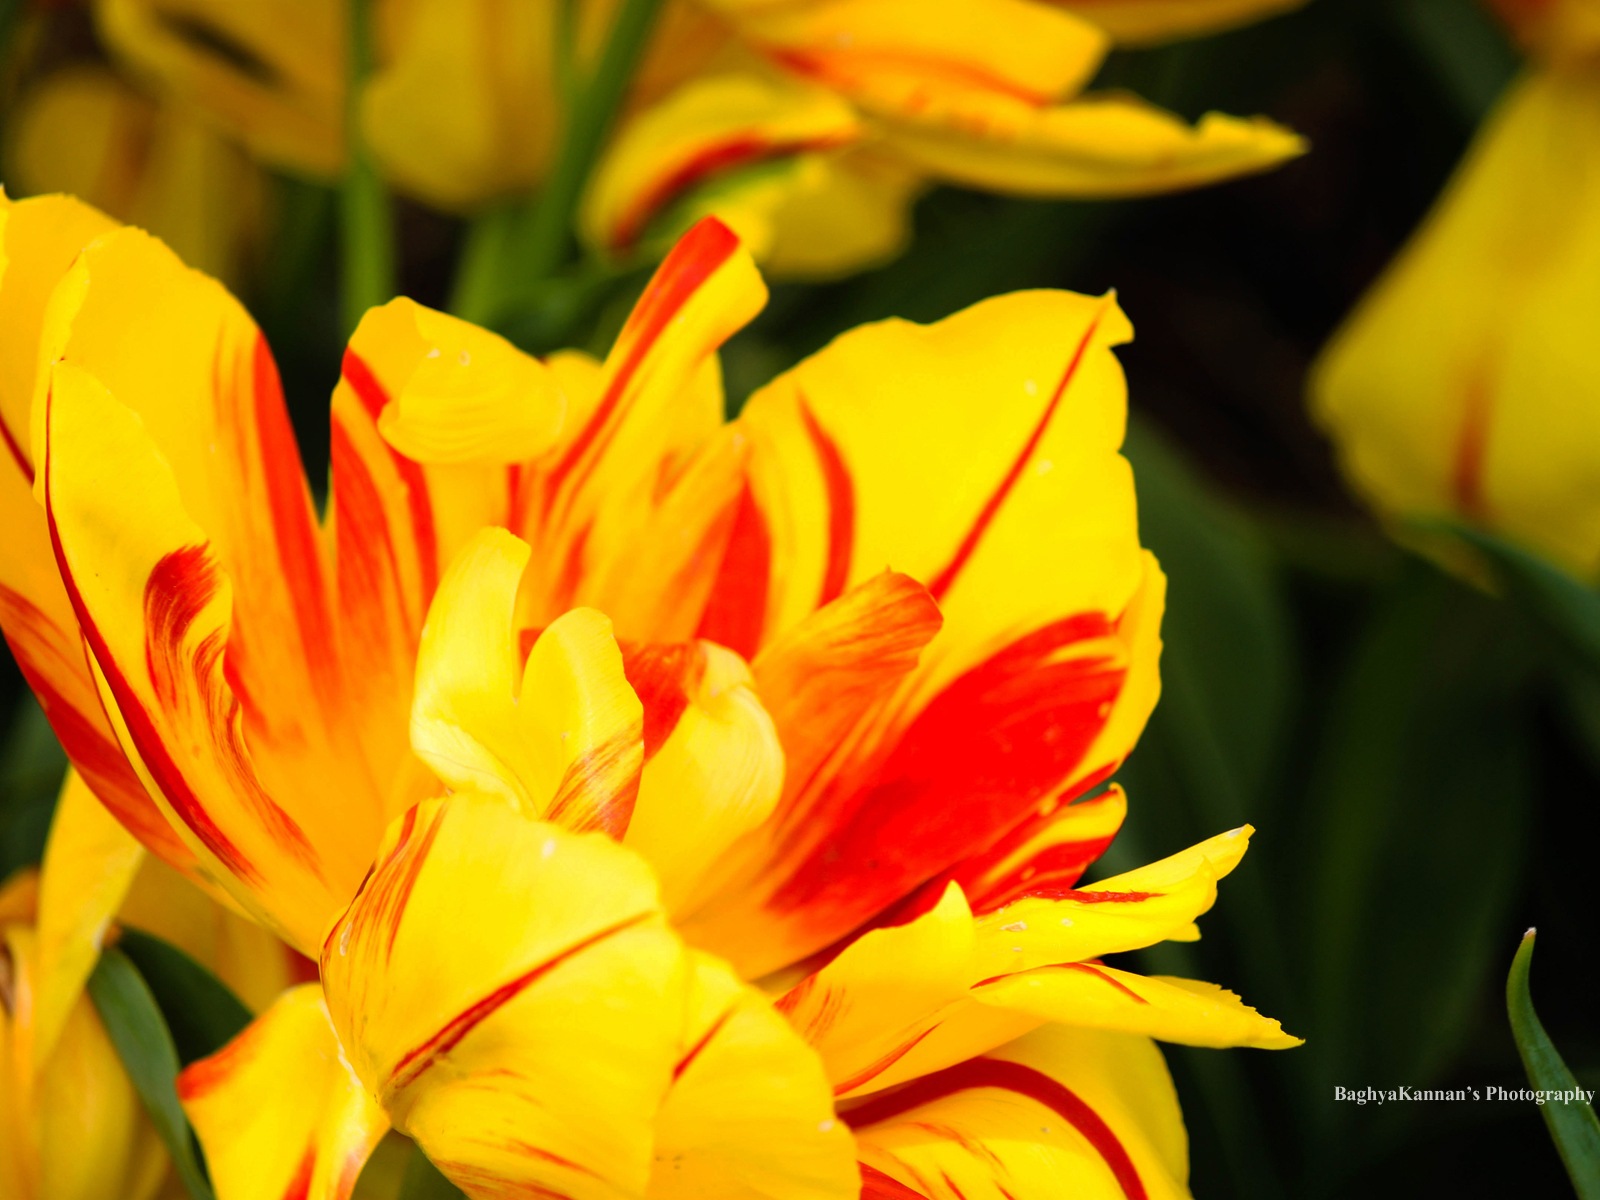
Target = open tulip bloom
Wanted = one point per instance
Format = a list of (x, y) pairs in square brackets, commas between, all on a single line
[(675, 808)]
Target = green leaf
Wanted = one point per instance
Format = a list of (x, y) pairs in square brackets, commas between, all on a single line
[(1416, 822), (424, 1181), (201, 1011), (31, 767), (134, 1023), (1562, 604), (1572, 1124)]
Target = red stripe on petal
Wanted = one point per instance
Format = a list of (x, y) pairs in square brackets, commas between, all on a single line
[(1022, 1081), (367, 563), (987, 749), (375, 399), (841, 507), (868, 1074), (600, 787), (698, 1048), (737, 150), (416, 1061), (289, 501), (662, 676), (986, 515), (14, 447), (199, 1079), (696, 257), (300, 1185), (875, 1185), (736, 614)]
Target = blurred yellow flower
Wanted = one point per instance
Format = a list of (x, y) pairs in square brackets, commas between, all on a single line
[(1462, 385), (809, 128)]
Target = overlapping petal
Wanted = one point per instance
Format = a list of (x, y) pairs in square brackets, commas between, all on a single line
[(279, 1111), (1098, 1109)]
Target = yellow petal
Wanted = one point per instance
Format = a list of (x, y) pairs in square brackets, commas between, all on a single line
[(749, 1114), (1126, 912), (865, 1010), (161, 167), (513, 995), (270, 72), (891, 54), (1455, 386), (562, 735), (831, 215), (472, 398), (712, 125), (278, 1111), (1059, 1112), (1146, 22), (41, 238), (1099, 145), (713, 766), (1095, 996), (463, 108), (89, 865), (156, 608)]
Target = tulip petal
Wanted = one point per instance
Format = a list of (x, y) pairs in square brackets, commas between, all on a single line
[(1127, 912), (1096, 146), (163, 167), (492, 130), (399, 522), (271, 72), (41, 237), (710, 126), (1094, 996), (1148, 22), (891, 55), (278, 1111), (713, 766), (1060, 1111), (749, 1114), (483, 947), (157, 611), (1448, 390), (1044, 671), (582, 507), (560, 736), (89, 864), (865, 1010)]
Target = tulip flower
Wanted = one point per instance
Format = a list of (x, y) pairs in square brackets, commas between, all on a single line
[(809, 128), (773, 761), (71, 1125), (1458, 387)]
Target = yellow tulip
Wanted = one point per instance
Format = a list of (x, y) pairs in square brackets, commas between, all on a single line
[(779, 824), (71, 1125), (1462, 386)]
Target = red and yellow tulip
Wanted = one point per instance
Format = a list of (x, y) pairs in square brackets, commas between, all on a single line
[(733, 890), (1460, 386)]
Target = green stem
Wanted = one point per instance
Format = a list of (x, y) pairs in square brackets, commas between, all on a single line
[(545, 232), (367, 244), (476, 293)]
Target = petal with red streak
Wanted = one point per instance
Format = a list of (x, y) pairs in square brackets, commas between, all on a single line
[(278, 1111), (512, 993)]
